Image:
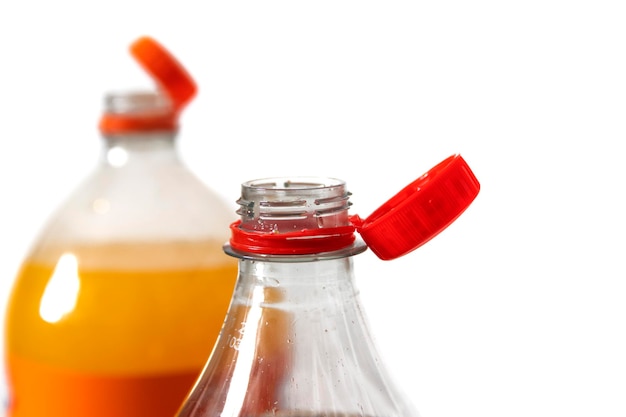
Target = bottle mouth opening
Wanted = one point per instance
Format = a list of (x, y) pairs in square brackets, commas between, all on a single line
[(292, 183), (293, 215), (137, 102), (136, 112), (285, 204)]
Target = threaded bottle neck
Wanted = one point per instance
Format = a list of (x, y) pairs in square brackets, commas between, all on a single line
[(280, 205), (137, 103), (137, 112), (293, 216)]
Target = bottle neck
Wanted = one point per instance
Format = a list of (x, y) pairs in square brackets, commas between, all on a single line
[(300, 285), (138, 148), (293, 217), (308, 300)]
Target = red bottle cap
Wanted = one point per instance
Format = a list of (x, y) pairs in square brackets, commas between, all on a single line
[(172, 78), (421, 210)]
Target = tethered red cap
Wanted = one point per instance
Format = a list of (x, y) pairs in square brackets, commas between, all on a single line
[(172, 78), (170, 74), (421, 210)]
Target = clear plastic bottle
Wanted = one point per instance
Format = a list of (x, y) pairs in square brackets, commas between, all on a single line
[(118, 303), (296, 341)]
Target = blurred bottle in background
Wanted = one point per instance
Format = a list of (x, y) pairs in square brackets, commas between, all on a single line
[(118, 303)]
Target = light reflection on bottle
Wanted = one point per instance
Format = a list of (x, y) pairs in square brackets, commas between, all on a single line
[(245, 346), (117, 156), (101, 206), (61, 293)]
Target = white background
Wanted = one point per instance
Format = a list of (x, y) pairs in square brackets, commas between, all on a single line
[(518, 309)]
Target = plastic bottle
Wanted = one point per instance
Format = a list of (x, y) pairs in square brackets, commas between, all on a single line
[(118, 303), (296, 341)]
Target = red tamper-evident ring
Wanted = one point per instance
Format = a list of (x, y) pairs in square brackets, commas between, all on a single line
[(421, 210)]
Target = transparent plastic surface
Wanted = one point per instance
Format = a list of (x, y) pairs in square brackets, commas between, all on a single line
[(296, 341), (117, 305)]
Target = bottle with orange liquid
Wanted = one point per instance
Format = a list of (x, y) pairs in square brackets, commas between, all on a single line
[(296, 341), (118, 303)]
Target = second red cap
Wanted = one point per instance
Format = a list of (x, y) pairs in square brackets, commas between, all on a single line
[(168, 72)]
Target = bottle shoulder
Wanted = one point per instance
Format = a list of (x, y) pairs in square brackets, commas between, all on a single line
[(168, 202)]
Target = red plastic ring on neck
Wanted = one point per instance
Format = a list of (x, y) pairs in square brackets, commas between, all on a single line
[(304, 242), (120, 123)]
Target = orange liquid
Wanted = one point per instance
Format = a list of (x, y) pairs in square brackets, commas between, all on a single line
[(128, 340)]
